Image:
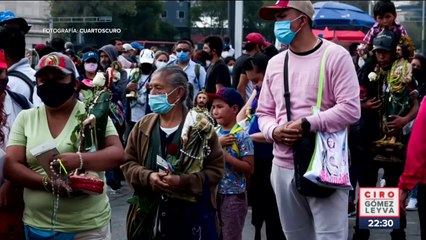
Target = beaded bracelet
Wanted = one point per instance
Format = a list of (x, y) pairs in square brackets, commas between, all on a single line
[(45, 183), (81, 161)]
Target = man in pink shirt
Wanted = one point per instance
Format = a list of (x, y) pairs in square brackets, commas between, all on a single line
[(305, 217)]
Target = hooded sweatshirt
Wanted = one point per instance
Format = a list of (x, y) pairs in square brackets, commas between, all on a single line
[(119, 87), (111, 51)]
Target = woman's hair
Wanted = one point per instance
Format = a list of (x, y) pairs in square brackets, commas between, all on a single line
[(3, 121), (422, 60), (159, 53), (259, 63), (176, 77), (228, 59)]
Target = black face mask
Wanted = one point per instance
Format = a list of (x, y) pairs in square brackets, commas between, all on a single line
[(54, 94), (417, 74), (206, 56), (146, 68)]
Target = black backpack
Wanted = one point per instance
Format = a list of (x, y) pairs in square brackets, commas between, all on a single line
[(26, 79), (20, 99)]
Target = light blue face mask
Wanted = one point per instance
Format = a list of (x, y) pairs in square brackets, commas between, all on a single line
[(182, 56), (283, 32), (159, 103)]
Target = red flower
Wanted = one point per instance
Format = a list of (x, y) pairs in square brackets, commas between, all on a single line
[(172, 149)]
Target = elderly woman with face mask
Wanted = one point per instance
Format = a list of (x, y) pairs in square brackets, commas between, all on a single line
[(164, 188), (52, 208)]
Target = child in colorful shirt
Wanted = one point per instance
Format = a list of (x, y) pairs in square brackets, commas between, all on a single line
[(385, 15), (238, 151)]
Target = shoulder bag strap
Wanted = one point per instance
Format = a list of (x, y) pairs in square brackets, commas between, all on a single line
[(286, 90), (321, 78)]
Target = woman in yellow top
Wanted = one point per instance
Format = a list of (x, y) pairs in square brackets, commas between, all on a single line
[(48, 215)]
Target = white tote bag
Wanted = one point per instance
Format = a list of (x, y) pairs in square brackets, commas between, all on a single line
[(329, 166)]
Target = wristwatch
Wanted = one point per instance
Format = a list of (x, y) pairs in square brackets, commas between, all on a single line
[(306, 126)]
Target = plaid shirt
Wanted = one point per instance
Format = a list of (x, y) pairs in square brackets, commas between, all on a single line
[(397, 28)]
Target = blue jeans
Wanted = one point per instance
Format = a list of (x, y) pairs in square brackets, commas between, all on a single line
[(37, 234), (413, 193)]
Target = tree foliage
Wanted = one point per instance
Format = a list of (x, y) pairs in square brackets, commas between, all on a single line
[(213, 16), (137, 20)]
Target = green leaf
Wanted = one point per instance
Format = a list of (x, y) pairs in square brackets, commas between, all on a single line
[(133, 200)]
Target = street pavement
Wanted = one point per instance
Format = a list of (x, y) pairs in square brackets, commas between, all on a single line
[(119, 211)]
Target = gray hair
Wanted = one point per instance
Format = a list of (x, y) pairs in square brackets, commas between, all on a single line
[(175, 76)]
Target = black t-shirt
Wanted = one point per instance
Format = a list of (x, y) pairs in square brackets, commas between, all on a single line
[(217, 74), (238, 69)]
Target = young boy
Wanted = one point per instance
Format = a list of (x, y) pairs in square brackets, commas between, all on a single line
[(238, 151), (385, 14)]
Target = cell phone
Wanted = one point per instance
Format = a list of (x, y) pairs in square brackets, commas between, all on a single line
[(45, 153)]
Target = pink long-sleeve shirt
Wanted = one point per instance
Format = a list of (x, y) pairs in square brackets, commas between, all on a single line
[(415, 163), (340, 103)]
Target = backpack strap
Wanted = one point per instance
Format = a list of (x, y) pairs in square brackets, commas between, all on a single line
[(20, 99), (24, 78), (197, 74)]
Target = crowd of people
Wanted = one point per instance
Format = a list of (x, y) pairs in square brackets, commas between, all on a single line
[(200, 135)]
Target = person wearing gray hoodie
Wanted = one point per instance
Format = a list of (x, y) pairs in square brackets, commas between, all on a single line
[(107, 55)]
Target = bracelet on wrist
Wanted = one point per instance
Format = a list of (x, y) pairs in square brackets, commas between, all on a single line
[(45, 182), (81, 160)]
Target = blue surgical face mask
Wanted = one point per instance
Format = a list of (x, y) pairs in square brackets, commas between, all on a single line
[(159, 103), (182, 56), (283, 32)]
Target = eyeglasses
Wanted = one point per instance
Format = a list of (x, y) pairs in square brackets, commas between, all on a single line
[(182, 50)]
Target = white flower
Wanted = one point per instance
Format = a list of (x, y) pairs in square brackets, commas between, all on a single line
[(372, 76), (99, 80)]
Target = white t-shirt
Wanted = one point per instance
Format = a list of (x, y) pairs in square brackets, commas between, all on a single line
[(138, 107)]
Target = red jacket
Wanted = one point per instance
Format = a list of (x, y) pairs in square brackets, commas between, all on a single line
[(415, 165)]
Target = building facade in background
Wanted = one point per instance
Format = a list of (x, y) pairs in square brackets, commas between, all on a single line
[(177, 14), (36, 13)]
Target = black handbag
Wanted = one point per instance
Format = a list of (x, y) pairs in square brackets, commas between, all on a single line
[(303, 150)]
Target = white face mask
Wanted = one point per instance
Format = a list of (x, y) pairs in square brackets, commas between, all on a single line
[(160, 64), (90, 67), (230, 68)]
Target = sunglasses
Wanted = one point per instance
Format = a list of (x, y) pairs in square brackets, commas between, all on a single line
[(182, 50)]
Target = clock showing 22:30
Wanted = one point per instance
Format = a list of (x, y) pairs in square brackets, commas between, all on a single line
[(381, 223)]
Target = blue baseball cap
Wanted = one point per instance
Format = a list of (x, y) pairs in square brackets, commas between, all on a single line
[(136, 45), (9, 18), (89, 55), (229, 95)]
